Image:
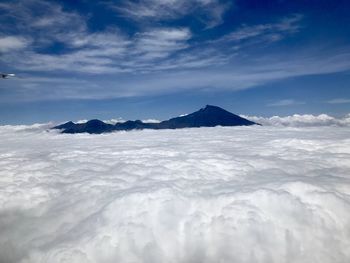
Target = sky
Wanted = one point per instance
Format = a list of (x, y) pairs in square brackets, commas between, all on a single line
[(162, 58)]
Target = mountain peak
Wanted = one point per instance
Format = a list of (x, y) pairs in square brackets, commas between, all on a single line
[(208, 106), (212, 108), (66, 125)]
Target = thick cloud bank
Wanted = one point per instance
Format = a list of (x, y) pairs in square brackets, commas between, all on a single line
[(235, 194), (306, 120)]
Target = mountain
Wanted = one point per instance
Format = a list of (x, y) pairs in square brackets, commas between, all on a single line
[(92, 126), (210, 116), (133, 125)]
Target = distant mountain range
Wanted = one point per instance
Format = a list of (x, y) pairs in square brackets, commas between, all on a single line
[(209, 116)]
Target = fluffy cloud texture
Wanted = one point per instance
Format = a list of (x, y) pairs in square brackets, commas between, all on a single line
[(239, 194), (306, 120)]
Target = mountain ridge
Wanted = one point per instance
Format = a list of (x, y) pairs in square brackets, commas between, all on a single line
[(209, 116)]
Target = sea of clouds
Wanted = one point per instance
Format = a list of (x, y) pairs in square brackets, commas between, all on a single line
[(233, 194), (305, 120)]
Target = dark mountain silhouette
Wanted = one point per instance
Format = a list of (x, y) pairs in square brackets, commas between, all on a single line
[(92, 126), (210, 116), (133, 125), (65, 126)]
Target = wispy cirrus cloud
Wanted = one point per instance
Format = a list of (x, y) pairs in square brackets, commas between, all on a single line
[(113, 51), (285, 102), (210, 12), (339, 101), (41, 21), (108, 52), (245, 76), (160, 42), (269, 32)]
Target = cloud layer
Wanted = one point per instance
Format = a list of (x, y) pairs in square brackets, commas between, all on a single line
[(243, 194), (306, 120)]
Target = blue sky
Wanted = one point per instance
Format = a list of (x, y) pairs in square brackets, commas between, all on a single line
[(161, 58)]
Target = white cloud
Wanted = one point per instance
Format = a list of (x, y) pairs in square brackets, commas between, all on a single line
[(45, 21), (241, 194), (81, 121), (210, 11), (9, 43), (306, 120), (151, 121), (156, 60), (266, 32), (153, 49), (104, 52), (339, 101), (285, 102), (159, 43), (37, 127), (47, 24), (115, 120), (237, 76)]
